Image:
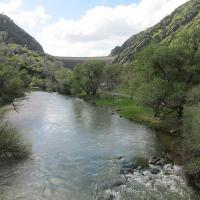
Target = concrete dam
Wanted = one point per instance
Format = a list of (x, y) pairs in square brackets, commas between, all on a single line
[(71, 62)]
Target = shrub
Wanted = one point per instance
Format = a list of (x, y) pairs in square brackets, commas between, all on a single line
[(12, 144), (193, 171)]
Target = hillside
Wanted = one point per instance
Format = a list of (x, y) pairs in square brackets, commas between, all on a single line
[(17, 35), (71, 62), (186, 17)]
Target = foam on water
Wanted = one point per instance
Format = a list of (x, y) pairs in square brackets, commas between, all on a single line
[(168, 184)]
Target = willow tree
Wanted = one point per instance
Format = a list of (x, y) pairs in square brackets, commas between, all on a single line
[(168, 75), (87, 77)]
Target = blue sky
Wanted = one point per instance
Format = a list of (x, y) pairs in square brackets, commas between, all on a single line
[(85, 27), (73, 9)]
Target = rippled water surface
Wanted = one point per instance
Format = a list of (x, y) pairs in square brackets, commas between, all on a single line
[(75, 147)]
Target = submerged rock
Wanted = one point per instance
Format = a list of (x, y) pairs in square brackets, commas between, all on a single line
[(155, 170), (128, 168), (117, 184), (119, 157)]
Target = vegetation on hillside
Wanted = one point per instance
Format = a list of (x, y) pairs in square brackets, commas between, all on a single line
[(160, 87), (16, 35), (22, 69), (186, 17)]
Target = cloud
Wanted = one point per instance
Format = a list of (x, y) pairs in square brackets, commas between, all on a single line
[(102, 28), (29, 19), (10, 6), (95, 33)]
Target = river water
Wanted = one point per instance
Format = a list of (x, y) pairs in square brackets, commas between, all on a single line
[(75, 155)]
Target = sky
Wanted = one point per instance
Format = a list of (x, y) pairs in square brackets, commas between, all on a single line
[(85, 27)]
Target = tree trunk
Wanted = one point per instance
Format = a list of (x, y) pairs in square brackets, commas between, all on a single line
[(157, 110), (180, 114)]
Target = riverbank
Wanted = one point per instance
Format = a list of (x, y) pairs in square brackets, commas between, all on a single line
[(126, 107), (66, 133), (153, 179)]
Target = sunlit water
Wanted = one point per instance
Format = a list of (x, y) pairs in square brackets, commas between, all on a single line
[(75, 147)]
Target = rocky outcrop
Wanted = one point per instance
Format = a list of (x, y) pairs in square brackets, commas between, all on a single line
[(17, 35), (186, 17)]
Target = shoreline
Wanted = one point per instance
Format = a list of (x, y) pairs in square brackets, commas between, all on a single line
[(127, 108), (158, 125)]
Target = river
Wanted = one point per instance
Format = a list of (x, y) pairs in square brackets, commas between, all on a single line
[(78, 150)]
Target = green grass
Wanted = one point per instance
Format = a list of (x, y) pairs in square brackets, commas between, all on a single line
[(129, 109), (194, 165), (122, 90)]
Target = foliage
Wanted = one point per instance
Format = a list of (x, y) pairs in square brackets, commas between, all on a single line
[(21, 68), (132, 110), (194, 165), (169, 77), (12, 144), (87, 77), (112, 76), (11, 85), (63, 78)]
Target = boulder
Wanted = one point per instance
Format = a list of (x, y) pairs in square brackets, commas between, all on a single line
[(168, 169), (155, 170), (117, 184)]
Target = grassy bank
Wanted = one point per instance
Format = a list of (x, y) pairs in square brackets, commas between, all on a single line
[(126, 107), (189, 156)]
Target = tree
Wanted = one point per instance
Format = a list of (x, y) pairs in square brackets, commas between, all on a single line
[(88, 77), (112, 76), (63, 79), (169, 74), (11, 85)]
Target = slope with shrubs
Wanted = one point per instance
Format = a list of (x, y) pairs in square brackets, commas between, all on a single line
[(22, 69), (183, 18)]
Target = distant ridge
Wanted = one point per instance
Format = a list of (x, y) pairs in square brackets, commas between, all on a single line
[(184, 18), (17, 35)]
